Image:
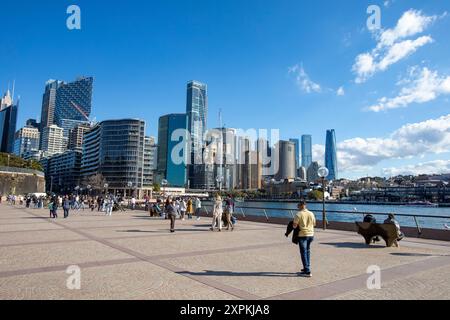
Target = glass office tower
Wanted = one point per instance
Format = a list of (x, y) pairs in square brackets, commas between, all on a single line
[(331, 155), (8, 122), (201, 175), (73, 104), (306, 151), (169, 166)]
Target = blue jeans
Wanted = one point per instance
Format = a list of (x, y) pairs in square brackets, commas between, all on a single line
[(305, 252)]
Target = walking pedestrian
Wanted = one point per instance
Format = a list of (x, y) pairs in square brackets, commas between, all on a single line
[(171, 213), (217, 214), (198, 207), (190, 208), (183, 208), (229, 210), (66, 207), (306, 221)]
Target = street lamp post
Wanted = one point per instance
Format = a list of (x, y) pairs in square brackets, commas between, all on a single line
[(323, 173), (219, 180), (106, 186)]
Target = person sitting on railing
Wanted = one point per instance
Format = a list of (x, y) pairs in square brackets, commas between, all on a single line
[(391, 220)]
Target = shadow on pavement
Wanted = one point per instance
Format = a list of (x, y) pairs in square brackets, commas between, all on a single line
[(239, 274), (353, 245)]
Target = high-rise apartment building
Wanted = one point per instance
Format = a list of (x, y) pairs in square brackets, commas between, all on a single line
[(52, 140), (76, 136), (26, 140), (150, 156)]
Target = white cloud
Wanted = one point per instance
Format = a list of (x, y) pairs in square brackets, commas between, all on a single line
[(303, 80), (391, 46), (340, 91), (412, 140), (431, 167), (420, 87)]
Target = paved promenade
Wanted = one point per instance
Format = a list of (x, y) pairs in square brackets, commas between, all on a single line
[(132, 256)]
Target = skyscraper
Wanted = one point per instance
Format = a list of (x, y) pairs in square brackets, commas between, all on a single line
[(8, 122), (297, 152), (49, 102), (286, 169), (200, 175), (331, 155), (171, 166), (306, 151), (73, 104)]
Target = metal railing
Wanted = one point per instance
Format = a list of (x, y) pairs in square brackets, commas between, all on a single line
[(263, 211)]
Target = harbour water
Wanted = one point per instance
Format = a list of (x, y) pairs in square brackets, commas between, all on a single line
[(252, 208)]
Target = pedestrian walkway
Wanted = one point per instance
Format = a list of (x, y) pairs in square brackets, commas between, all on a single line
[(133, 256)]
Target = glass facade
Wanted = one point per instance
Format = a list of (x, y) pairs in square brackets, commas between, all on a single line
[(8, 122), (73, 103), (115, 149), (168, 168), (331, 155), (306, 151)]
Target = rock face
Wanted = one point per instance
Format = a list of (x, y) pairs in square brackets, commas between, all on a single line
[(21, 181)]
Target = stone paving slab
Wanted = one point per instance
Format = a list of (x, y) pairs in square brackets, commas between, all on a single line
[(133, 281), (132, 256)]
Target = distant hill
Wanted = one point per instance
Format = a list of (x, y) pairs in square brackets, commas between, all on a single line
[(17, 162)]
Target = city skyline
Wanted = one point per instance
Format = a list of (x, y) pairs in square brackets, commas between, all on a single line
[(372, 107)]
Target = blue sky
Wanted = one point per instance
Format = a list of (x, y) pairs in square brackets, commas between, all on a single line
[(268, 64)]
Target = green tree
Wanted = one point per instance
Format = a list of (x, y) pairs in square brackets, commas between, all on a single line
[(315, 195), (156, 187)]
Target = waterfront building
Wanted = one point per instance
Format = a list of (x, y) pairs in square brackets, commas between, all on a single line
[(8, 123), (313, 172), (331, 155), (250, 168), (114, 149), (26, 140), (306, 151), (297, 152), (150, 158), (62, 171), (286, 170), (172, 166), (52, 141), (200, 175)]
